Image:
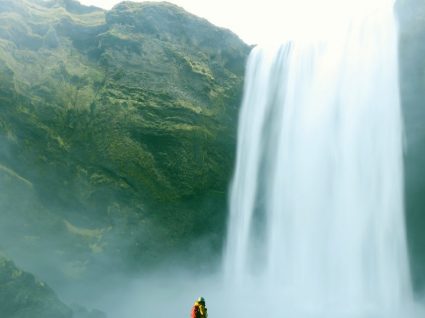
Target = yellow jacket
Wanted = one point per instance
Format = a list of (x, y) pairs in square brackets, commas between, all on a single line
[(203, 311)]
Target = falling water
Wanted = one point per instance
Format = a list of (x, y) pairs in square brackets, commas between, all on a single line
[(316, 215)]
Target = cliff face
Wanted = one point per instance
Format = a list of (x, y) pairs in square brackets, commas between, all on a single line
[(117, 133), (411, 15)]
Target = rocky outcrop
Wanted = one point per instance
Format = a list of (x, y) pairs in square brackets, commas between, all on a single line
[(23, 296)]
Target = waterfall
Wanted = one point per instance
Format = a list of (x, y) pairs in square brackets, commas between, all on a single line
[(316, 225)]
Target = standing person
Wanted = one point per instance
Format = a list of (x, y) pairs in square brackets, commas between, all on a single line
[(199, 310)]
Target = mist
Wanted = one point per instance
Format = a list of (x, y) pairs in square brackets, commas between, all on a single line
[(117, 149)]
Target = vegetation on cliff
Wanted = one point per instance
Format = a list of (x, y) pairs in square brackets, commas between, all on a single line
[(117, 132), (23, 296)]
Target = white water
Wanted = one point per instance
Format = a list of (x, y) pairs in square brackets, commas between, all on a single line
[(316, 225)]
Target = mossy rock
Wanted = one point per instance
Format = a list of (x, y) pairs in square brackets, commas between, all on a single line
[(123, 122), (23, 296)]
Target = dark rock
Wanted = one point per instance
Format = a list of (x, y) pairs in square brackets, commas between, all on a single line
[(411, 15), (23, 296)]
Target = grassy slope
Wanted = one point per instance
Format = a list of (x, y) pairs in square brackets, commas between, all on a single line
[(117, 132)]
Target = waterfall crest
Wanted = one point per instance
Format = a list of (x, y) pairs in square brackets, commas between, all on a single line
[(316, 213)]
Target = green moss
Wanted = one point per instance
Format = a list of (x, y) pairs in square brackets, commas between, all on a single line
[(13, 174), (21, 295), (124, 124)]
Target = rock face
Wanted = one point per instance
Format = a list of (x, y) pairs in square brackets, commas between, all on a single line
[(23, 296), (117, 133), (412, 51)]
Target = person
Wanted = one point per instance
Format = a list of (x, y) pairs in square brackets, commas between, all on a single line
[(199, 310)]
